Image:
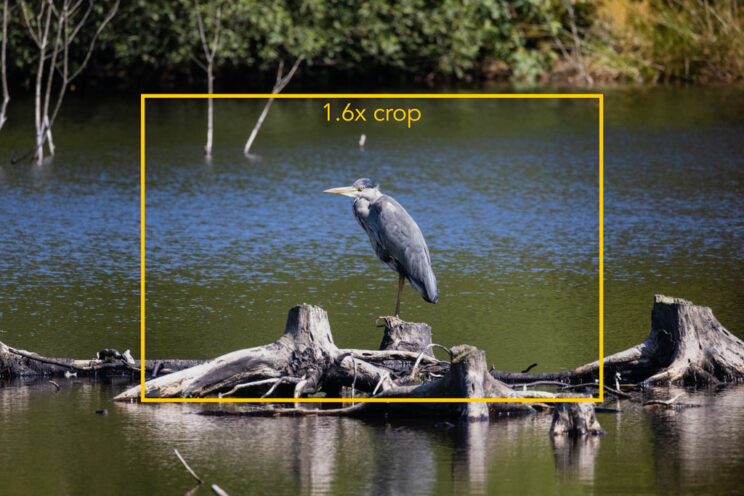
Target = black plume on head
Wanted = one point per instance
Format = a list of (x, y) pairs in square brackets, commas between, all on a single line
[(365, 182)]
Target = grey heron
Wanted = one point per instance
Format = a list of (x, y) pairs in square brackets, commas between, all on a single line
[(395, 237)]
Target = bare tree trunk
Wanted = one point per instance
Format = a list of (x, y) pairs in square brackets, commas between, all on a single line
[(686, 344), (281, 82), (66, 32), (209, 56), (259, 123), (42, 44), (49, 141), (577, 48), (302, 355), (61, 28), (3, 66), (210, 111)]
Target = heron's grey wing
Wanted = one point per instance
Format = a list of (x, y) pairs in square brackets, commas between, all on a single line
[(399, 239)]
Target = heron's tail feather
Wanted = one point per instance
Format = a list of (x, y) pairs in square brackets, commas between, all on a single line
[(427, 286)]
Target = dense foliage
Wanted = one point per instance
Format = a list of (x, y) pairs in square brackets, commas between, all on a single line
[(154, 43)]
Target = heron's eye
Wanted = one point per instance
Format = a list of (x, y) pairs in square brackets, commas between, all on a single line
[(360, 188)]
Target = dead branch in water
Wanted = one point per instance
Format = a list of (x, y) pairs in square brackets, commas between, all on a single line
[(663, 402), (199, 480), (282, 80)]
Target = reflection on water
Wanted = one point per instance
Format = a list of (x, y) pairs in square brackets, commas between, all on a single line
[(683, 444), (475, 445), (53, 443), (575, 458)]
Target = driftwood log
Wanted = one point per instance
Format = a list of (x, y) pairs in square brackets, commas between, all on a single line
[(467, 377), (21, 363)]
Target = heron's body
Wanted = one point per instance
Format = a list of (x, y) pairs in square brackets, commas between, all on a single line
[(395, 237)]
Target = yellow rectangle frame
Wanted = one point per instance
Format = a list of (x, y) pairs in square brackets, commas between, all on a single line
[(145, 96)]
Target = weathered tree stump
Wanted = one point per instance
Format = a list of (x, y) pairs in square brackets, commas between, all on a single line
[(400, 335), (575, 420), (301, 357), (686, 344), (406, 336), (467, 377), (693, 345)]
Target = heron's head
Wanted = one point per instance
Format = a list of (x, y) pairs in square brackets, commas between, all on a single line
[(362, 188)]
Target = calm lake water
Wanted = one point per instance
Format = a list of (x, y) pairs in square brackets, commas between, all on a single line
[(506, 194)]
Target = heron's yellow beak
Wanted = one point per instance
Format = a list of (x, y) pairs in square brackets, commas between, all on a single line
[(345, 190)]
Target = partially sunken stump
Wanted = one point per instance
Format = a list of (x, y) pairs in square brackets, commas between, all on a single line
[(575, 420)]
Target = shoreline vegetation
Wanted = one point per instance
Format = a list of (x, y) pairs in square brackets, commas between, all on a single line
[(57, 47), (152, 46)]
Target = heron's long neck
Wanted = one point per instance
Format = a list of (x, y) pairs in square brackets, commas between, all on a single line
[(362, 202), (361, 207)]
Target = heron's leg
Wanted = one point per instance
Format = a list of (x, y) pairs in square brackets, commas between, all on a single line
[(401, 283)]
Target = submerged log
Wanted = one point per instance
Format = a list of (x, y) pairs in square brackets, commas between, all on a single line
[(22, 363), (686, 345)]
